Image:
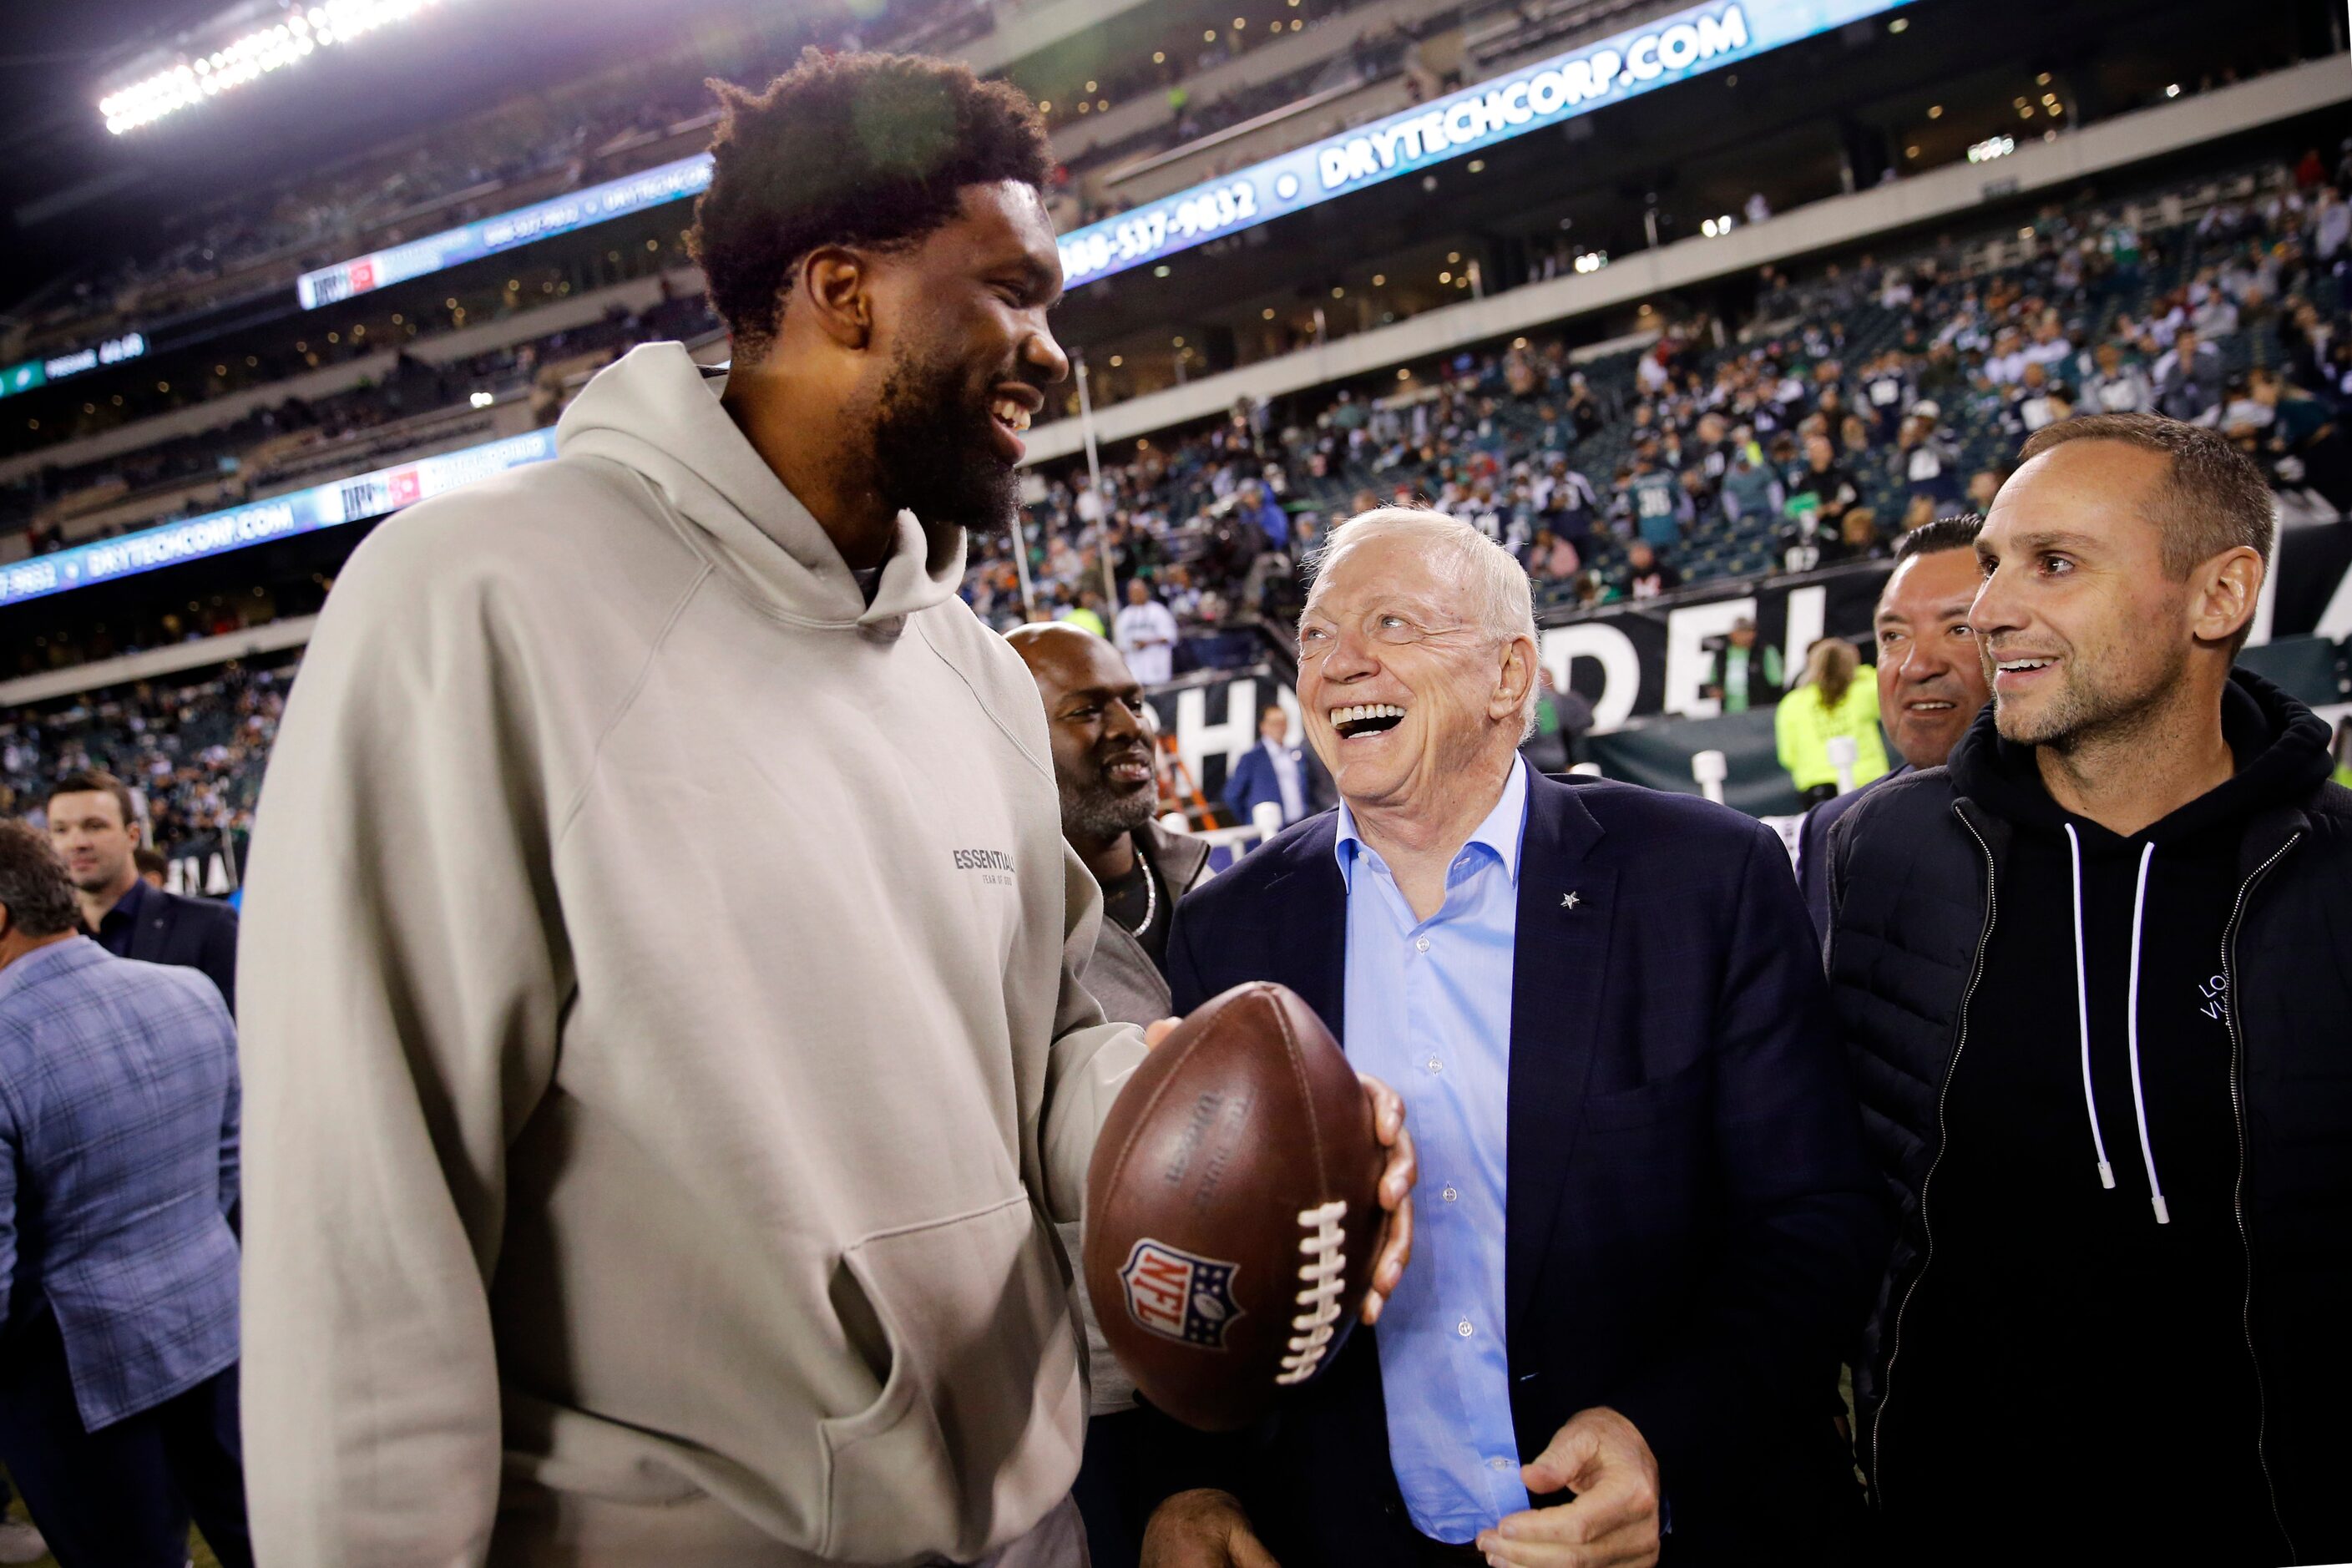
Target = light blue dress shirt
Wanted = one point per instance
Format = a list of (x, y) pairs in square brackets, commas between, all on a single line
[(1429, 1011), (1287, 778)]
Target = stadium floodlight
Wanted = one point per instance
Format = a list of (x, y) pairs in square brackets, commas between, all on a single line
[(193, 78)]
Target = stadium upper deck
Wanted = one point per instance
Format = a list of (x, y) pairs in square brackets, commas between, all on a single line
[(383, 385), (1302, 70)]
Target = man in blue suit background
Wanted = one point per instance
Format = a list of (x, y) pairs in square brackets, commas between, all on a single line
[(1648, 1233), (1273, 770), (97, 833), (118, 1268)]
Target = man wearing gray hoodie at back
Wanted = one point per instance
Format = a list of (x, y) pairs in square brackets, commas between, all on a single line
[(662, 1068)]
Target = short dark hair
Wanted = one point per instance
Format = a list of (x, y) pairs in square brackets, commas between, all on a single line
[(868, 149), (34, 887), (1955, 532), (98, 781), (154, 860), (2212, 499)]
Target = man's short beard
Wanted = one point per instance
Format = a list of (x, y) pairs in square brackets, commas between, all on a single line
[(2083, 712), (932, 450), (1097, 811)]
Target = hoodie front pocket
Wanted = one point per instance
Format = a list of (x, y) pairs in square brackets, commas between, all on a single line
[(976, 1431)]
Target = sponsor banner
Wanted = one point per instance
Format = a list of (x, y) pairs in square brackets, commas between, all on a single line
[(1637, 661), (1655, 54), (1645, 661), (1214, 713), (280, 517), (559, 215), (29, 374)]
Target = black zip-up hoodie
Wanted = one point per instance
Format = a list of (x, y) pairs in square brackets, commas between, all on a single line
[(2082, 1321)]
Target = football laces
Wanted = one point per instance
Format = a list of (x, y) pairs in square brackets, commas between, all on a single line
[(1324, 1273)]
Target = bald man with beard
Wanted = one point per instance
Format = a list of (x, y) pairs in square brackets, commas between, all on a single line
[(1101, 734)]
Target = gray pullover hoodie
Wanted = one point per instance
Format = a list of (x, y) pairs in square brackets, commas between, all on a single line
[(663, 1070)]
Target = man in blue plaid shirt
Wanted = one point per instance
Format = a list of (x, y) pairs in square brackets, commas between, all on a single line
[(117, 1265)]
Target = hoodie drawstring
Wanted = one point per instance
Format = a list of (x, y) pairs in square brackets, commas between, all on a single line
[(2131, 1034), (2083, 1010), (2131, 1025)]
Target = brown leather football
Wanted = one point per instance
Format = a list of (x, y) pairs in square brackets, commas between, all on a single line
[(1232, 1208)]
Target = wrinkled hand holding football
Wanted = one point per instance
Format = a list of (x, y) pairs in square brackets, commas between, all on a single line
[(1233, 1209)]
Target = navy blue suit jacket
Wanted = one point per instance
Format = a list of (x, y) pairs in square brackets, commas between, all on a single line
[(189, 934), (1692, 1235), (1253, 780)]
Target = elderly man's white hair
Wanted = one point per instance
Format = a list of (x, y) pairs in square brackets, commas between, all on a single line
[(1495, 585)]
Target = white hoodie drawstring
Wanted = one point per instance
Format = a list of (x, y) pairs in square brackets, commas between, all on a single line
[(2083, 1010), (2131, 1027), (2131, 1034)]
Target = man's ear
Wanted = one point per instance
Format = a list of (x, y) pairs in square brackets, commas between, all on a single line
[(1517, 675), (836, 285), (2228, 590)]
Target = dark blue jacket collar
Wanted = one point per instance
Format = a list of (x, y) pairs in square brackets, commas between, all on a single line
[(133, 903)]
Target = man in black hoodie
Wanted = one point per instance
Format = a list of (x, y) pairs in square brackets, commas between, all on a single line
[(2095, 978)]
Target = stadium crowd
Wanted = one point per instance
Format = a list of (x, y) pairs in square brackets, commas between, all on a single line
[(192, 750), (1915, 372), (571, 1230), (1849, 408)]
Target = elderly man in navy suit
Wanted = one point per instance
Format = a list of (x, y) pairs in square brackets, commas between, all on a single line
[(1648, 1232), (119, 1165), (96, 830)]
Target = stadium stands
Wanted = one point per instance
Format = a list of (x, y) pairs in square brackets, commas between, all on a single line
[(1491, 436), (1697, 309), (2084, 294), (1912, 367), (194, 749)]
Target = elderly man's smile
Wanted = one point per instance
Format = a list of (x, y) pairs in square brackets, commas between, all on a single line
[(1366, 718)]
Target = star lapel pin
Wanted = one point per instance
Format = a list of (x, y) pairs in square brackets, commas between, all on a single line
[(1570, 901)]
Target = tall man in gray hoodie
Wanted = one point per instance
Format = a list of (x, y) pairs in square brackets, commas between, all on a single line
[(664, 1074)]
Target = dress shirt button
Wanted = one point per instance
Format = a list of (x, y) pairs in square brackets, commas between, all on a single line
[(1420, 944), (1433, 1064), (1499, 1464), (1451, 1195), (1463, 1328)]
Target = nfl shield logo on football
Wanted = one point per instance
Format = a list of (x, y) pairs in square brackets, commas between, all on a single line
[(1172, 1293)]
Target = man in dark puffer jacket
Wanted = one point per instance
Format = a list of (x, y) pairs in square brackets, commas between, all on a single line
[(2095, 978)]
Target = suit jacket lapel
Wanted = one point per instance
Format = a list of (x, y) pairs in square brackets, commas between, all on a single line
[(1306, 930), (1558, 967), (149, 925)]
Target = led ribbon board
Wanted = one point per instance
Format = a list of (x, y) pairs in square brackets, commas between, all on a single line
[(559, 215), (36, 373), (279, 517), (1655, 54)]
